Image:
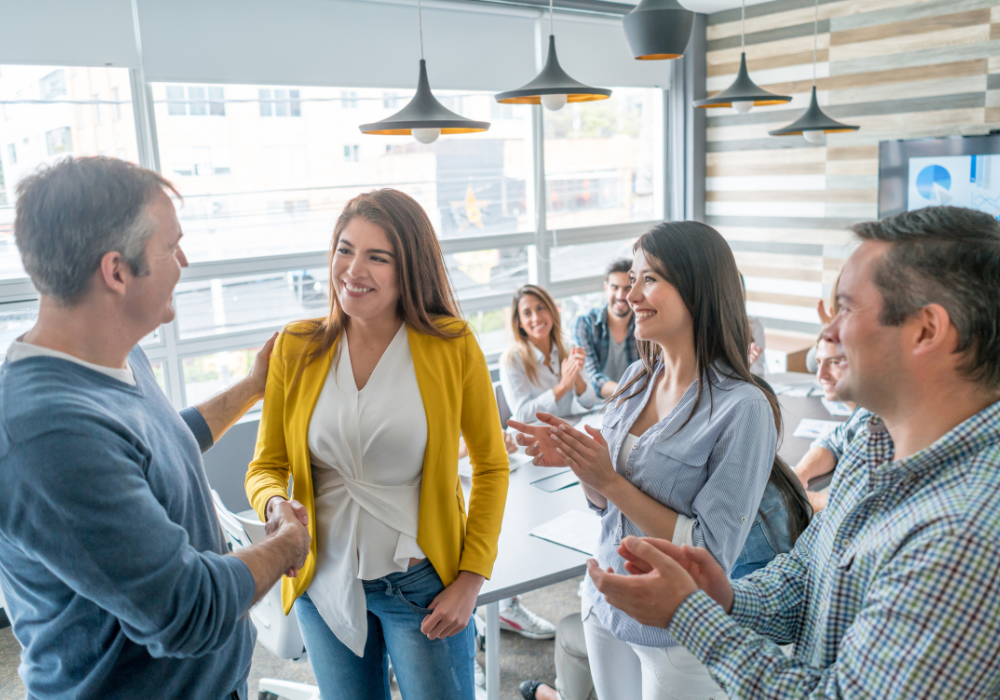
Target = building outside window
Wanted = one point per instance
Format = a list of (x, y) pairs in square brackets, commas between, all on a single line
[(98, 109), (59, 141), (279, 102), (116, 107), (53, 85), (196, 100), (389, 100), (349, 99), (351, 153), (12, 153)]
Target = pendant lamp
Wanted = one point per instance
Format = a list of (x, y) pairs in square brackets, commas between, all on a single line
[(552, 88), (814, 123), (743, 94), (658, 30), (424, 116)]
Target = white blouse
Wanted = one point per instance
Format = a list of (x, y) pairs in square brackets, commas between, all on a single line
[(526, 398), (367, 452)]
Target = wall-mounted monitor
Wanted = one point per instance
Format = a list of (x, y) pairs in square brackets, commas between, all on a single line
[(962, 171)]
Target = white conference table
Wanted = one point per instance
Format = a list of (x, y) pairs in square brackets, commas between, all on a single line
[(525, 563)]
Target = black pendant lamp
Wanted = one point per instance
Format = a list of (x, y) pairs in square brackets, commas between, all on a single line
[(552, 88), (658, 30), (424, 116), (814, 123), (743, 95)]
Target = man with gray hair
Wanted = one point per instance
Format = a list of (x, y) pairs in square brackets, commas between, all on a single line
[(116, 574)]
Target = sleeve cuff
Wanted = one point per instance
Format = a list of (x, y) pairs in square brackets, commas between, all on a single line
[(700, 624), (246, 587), (599, 511), (546, 402), (198, 427), (683, 530)]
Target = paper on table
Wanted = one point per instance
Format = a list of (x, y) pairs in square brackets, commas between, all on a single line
[(837, 408), (517, 460), (577, 529), (811, 428)]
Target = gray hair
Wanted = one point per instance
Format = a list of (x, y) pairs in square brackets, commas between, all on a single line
[(71, 214), (948, 256)]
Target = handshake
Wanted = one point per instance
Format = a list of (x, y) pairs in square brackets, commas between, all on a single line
[(285, 548)]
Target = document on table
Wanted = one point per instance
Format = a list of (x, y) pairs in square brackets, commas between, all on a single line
[(837, 408), (811, 428), (577, 529)]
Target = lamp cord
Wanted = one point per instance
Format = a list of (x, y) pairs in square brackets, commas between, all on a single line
[(815, 40), (743, 26), (420, 24), (552, 26)]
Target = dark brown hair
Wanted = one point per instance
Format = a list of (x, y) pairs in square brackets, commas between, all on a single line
[(426, 296), (948, 256)]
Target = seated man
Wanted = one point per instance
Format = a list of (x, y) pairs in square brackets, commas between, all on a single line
[(607, 334), (825, 452), (114, 567), (891, 593)]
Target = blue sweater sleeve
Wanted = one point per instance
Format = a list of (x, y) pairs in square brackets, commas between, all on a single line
[(199, 428), (82, 505)]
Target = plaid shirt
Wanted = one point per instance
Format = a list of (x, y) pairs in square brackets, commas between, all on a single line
[(892, 591), (591, 332)]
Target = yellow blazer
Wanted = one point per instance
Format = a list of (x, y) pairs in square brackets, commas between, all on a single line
[(458, 399)]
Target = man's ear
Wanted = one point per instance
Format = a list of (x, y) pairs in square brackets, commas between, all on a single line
[(932, 331), (114, 272)]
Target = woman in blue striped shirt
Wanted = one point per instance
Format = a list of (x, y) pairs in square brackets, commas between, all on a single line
[(685, 452)]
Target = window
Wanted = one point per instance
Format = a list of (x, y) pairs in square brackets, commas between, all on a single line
[(586, 260), (207, 375), (600, 160), (195, 100), (471, 186), (15, 321), (58, 141), (188, 161), (53, 85), (492, 329), (117, 106), (349, 99), (12, 154), (389, 100), (279, 103)]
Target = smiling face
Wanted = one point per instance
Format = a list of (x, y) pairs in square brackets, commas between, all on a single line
[(874, 365), (149, 302), (828, 368), (660, 314), (364, 271), (616, 290), (534, 318)]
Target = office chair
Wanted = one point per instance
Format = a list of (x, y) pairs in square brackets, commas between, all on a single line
[(505, 412), (276, 632)]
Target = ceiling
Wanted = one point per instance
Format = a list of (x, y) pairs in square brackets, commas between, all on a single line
[(620, 7)]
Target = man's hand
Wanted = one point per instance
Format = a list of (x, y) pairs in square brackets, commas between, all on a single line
[(289, 520), (659, 582), (258, 373), (453, 607)]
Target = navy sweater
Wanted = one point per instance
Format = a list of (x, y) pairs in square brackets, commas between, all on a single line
[(112, 560)]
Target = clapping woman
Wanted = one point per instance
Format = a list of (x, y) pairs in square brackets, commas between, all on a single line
[(685, 451)]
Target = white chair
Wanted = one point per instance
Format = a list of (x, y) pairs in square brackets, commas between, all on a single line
[(276, 632)]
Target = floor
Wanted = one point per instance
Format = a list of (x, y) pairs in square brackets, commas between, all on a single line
[(520, 658)]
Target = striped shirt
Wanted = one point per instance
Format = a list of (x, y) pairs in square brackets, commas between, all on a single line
[(712, 473), (890, 593)]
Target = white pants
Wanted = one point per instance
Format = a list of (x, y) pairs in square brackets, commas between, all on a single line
[(624, 671)]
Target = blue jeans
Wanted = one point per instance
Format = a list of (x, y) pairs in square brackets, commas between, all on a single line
[(425, 670), (768, 537)]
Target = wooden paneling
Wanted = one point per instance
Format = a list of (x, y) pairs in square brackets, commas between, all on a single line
[(898, 68)]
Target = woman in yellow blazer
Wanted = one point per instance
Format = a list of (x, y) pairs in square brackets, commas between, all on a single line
[(363, 410)]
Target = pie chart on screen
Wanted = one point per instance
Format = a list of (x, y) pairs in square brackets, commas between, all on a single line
[(933, 183)]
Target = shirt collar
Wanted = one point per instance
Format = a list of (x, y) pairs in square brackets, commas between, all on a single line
[(957, 445)]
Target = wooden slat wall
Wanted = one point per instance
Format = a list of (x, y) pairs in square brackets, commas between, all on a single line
[(898, 68)]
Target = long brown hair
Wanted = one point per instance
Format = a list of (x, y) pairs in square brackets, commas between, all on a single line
[(425, 292), (522, 346)]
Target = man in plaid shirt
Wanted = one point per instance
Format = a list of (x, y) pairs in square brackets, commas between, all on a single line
[(892, 591)]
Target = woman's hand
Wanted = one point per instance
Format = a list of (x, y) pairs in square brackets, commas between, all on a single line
[(825, 315), (538, 440), (453, 607), (586, 454), (754, 353)]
